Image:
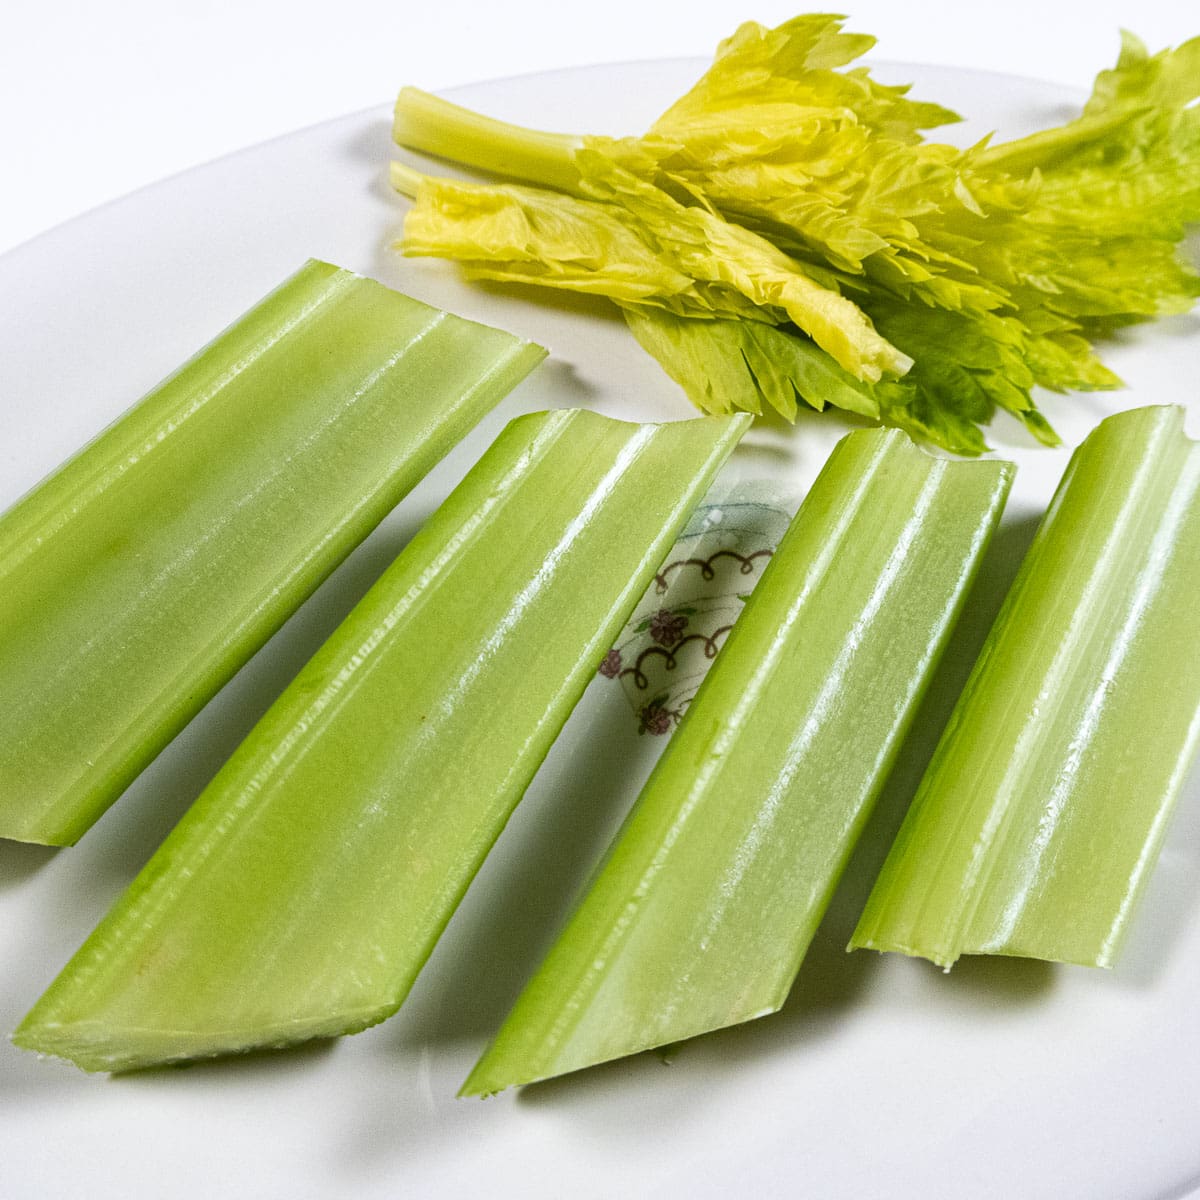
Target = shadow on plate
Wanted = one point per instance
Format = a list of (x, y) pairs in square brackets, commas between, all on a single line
[(552, 844), (371, 146), (21, 860), (250, 1067), (1187, 1190), (1171, 903), (563, 382)]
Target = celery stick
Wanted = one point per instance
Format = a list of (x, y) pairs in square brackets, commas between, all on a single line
[(428, 123), (302, 893), (708, 899), (1040, 818), (141, 575)]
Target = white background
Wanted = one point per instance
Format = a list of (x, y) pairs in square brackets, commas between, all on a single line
[(97, 99)]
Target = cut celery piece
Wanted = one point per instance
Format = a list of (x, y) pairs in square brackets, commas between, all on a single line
[(1040, 817), (141, 575), (303, 891), (708, 899)]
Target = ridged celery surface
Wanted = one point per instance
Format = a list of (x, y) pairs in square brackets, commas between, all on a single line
[(1041, 815), (303, 891), (141, 575), (702, 912)]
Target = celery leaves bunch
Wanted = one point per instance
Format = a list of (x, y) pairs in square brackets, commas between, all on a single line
[(784, 234)]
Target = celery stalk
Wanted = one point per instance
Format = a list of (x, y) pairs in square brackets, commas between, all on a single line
[(303, 891), (428, 123), (1040, 818), (141, 575), (706, 903)]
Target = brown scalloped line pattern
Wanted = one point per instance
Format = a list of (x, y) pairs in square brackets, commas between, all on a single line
[(746, 567), (641, 682)]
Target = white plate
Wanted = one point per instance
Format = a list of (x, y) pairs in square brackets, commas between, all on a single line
[(882, 1077)]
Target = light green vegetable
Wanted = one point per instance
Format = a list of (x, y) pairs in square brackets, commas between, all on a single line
[(1040, 818), (303, 891), (706, 903), (990, 270), (747, 366), (141, 575), (641, 246)]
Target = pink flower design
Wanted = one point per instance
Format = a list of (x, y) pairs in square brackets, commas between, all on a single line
[(666, 627), (610, 668), (654, 719)]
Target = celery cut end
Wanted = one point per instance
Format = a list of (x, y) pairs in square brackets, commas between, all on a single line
[(98, 1045), (486, 1080), (940, 958)]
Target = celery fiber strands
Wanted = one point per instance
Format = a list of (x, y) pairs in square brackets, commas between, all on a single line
[(306, 887), (1040, 818), (141, 575), (702, 912)]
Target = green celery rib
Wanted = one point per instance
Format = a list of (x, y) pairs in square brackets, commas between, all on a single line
[(1040, 818), (141, 575), (428, 123), (303, 891), (706, 903)]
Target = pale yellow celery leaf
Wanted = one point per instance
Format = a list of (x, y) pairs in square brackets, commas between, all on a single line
[(810, 41), (800, 192), (1130, 163), (1139, 84), (1143, 181), (634, 243), (805, 155), (1064, 361), (1170, 78), (830, 191), (794, 63), (508, 231), (1046, 260), (959, 234), (558, 233), (714, 250), (787, 190)]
